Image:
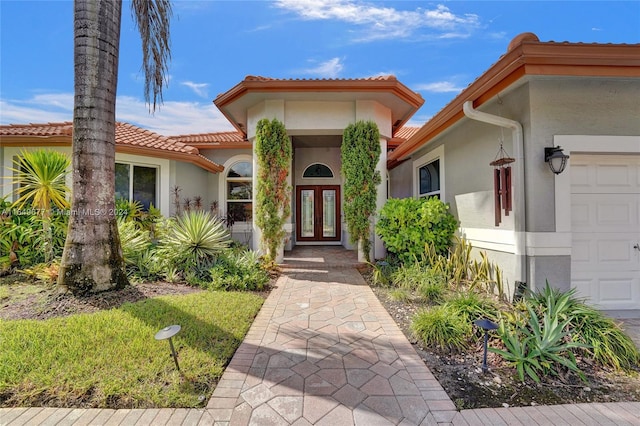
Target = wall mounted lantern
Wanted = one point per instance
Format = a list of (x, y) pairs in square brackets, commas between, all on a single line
[(556, 158)]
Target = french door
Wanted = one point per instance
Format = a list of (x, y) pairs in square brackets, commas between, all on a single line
[(318, 213)]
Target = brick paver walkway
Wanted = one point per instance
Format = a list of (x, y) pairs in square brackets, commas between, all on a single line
[(324, 351)]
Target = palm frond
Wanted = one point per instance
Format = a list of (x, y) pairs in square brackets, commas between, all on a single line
[(153, 18)]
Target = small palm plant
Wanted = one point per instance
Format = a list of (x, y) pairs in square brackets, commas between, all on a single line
[(40, 179)]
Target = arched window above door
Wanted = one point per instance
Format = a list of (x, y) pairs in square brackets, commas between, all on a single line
[(317, 170)]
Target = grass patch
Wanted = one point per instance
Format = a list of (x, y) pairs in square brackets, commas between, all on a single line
[(110, 359)]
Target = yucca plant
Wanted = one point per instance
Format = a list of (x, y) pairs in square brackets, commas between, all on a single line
[(134, 241), (194, 238), (129, 210), (40, 179)]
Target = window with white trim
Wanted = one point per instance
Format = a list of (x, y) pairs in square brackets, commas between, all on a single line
[(429, 179), (239, 192), (428, 174), (137, 183)]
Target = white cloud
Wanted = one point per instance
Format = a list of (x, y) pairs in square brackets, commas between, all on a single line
[(439, 87), (199, 89), (173, 118), (384, 22), (328, 69)]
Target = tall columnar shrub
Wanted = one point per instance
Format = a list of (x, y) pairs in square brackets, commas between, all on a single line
[(360, 155), (273, 199), (407, 225)]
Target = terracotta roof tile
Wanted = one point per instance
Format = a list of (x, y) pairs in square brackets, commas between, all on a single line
[(406, 132), (41, 129), (128, 137), (374, 78), (214, 140), (126, 134)]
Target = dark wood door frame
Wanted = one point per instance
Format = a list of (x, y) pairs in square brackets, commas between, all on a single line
[(318, 213)]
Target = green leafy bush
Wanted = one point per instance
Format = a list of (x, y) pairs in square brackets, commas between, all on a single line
[(238, 271), (439, 326), (408, 225)]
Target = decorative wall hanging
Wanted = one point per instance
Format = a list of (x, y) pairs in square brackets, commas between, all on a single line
[(502, 183)]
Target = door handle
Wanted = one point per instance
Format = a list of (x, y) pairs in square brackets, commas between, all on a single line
[(637, 247)]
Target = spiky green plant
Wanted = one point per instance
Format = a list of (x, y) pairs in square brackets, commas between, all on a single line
[(193, 238), (40, 183), (134, 241), (541, 344)]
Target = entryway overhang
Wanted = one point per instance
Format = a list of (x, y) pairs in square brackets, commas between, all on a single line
[(387, 91)]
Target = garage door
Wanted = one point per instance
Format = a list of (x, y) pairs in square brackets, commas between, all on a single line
[(605, 225)]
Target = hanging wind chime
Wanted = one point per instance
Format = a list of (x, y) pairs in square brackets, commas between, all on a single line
[(502, 182)]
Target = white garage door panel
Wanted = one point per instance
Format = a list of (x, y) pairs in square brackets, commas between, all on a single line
[(610, 174), (603, 251), (604, 212), (605, 226)]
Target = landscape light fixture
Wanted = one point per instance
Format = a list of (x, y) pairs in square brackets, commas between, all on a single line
[(556, 158), (486, 325), (168, 333)]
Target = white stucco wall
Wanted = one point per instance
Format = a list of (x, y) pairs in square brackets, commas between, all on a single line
[(193, 181), (401, 181)]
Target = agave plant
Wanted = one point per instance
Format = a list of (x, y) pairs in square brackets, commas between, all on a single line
[(195, 237)]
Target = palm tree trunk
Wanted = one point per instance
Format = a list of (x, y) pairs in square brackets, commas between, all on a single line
[(92, 258)]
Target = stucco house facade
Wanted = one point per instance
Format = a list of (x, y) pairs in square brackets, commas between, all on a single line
[(579, 228)]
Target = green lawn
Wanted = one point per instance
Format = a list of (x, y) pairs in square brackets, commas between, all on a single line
[(111, 359)]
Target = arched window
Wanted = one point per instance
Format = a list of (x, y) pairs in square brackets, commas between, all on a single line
[(239, 192), (317, 170)]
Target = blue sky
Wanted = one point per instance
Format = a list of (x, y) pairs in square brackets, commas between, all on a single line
[(435, 48)]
